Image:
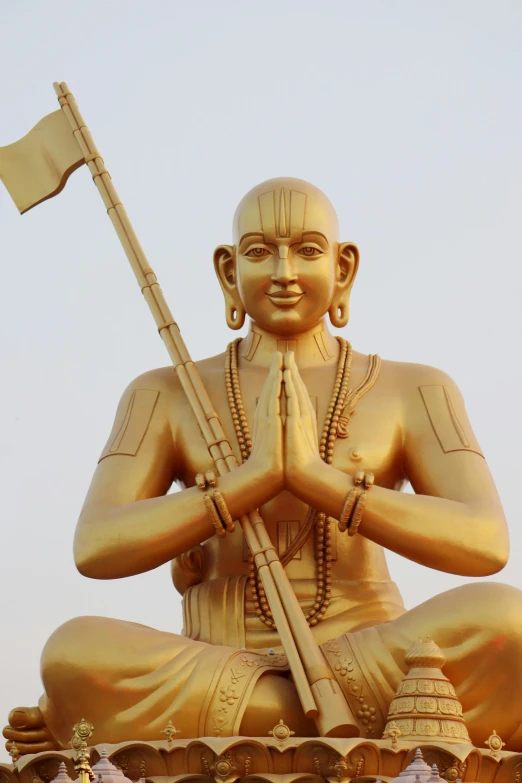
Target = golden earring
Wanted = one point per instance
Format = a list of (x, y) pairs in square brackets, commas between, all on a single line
[(235, 316), (338, 313)]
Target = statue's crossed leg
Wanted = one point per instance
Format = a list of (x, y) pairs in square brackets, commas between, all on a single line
[(216, 690)]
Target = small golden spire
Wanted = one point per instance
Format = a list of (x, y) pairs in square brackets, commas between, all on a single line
[(170, 731), (281, 731), (83, 767), (393, 732), (494, 743), (14, 752), (82, 731)]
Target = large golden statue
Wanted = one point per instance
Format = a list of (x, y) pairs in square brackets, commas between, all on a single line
[(326, 438)]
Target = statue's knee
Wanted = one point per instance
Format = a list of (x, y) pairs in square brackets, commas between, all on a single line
[(498, 607), (65, 648)]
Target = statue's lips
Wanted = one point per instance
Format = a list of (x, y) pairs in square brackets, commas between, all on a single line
[(285, 298)]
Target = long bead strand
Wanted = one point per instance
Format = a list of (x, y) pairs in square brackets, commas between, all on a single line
[(323, 523)]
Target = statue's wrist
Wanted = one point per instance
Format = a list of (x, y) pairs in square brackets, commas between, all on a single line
[(251, 485), (299, 475), (265, 473)]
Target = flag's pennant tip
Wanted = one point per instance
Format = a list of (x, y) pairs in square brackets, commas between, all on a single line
[(37, 166)]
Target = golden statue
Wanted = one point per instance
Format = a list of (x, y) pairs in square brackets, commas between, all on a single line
[(324, 439)]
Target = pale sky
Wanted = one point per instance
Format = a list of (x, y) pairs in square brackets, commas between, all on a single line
[(407, 114)]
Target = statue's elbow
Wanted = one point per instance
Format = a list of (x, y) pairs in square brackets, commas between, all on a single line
[(496, 554), (85, 564), (496, 560), (86, 559)]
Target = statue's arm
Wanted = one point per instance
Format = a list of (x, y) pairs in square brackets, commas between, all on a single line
[(455, 521), (128, 524)]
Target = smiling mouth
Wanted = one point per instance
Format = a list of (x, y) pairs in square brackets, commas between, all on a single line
[(285, 298)]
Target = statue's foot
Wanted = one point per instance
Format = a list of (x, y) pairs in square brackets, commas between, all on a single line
[(28, 730)]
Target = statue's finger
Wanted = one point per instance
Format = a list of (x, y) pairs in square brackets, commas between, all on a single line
[(27, 735), (274, 404), (305, 404), (26, 718), (262, 405), (292, 400), (267, 387), (27, 747)]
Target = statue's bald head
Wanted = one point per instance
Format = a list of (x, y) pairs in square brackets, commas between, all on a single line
[(287, 268), (284, 207)]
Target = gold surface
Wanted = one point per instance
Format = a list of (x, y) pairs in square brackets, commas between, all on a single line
[(286, 271), (267, 759)]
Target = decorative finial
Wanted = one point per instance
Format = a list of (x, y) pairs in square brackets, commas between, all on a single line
[(14, 752), (170, 731), (425, 653), (82, 731), (393, 732), (281, 731), (494, 743), (434, 777)]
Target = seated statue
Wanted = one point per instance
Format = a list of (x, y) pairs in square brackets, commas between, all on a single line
[(308, 420)]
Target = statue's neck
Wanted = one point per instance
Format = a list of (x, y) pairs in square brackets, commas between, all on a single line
[(313, 348)]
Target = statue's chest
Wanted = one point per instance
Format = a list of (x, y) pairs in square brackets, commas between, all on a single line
[(370, 440)]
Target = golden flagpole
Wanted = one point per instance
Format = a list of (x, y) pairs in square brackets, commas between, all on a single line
[(319, 693)]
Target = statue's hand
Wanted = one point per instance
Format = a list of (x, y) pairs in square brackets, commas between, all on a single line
[(266, 459), (300, 434)]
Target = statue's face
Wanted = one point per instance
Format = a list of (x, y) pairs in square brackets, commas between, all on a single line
[(286, 240)]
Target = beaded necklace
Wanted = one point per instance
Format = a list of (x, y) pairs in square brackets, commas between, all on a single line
[(340, 409), (318, 519)]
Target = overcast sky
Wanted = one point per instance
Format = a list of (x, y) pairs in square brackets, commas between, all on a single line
[(407, 114)]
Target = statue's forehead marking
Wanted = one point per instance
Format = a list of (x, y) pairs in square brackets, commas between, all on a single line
[(297, 213), (267, 214), (282, 214)]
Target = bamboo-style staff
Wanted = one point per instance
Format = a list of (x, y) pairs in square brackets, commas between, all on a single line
[(319, 693)]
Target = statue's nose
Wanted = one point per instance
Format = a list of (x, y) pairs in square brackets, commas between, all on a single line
[(284, 272)]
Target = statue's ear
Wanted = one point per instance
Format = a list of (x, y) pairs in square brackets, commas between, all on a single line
[(347, 264), (225, 266)]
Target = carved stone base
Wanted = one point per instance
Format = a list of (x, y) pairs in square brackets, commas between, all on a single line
[(230, 759)]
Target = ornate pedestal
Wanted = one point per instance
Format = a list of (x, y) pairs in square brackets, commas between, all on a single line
[(226, 760)]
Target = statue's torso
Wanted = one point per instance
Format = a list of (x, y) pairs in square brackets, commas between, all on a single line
[(374, 443)]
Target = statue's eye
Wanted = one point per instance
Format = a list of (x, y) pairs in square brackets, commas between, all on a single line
[(258, 253), (309, 251)]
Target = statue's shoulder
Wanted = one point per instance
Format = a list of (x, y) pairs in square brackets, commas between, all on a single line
[(165, 380), (409, 377)]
